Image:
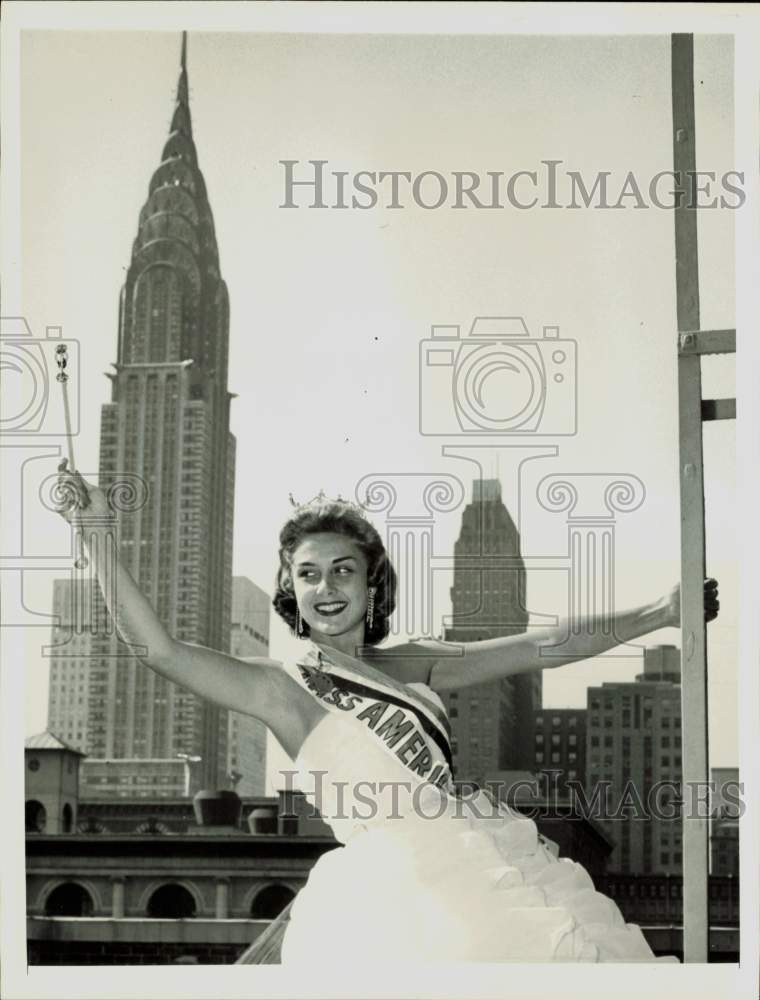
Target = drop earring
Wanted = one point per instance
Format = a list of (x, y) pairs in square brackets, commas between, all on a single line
[(370, 607), (299, 630)]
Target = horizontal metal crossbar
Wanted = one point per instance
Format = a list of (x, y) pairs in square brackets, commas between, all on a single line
[(707, 342), (719, 409)]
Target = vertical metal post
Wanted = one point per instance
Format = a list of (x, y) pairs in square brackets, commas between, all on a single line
[(693, 658)]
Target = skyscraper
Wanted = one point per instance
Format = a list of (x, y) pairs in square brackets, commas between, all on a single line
[(492, 724), (634, 742), (69, 687), (168, 424), (247, 746)]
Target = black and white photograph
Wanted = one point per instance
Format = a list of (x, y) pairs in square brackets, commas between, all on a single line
[(379, 436)]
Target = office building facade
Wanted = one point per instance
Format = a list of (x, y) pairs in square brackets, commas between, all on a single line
[(492, 724), (633, 747), (247, 743), (560, 748)]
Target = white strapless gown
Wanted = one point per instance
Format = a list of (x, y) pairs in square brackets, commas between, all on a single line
[(407, 887)]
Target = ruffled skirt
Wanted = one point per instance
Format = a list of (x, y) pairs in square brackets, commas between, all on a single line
[(423, 876), (463, 886)]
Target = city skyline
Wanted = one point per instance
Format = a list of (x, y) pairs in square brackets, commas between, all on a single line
[(647, 561), (164, 434)]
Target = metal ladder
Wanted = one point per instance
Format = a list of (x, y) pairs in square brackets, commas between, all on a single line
[(692, 343)]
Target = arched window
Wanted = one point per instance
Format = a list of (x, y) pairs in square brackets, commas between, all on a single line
[(67, 819), (171, 902), (35, 816), (69, 900), (270, 902)]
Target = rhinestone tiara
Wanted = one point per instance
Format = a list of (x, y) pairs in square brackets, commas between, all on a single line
[(322, 498)]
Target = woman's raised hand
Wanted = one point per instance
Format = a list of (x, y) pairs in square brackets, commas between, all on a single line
[(711, 602), (77, 495)]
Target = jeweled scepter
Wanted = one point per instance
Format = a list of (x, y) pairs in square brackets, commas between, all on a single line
[(61, 357)]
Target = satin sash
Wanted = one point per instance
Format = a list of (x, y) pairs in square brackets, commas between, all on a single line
[(402, 719)]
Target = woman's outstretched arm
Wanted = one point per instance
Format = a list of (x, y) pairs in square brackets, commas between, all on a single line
[(489, 659), (252, 686)]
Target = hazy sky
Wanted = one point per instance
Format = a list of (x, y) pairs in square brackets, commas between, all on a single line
[(328, 307)]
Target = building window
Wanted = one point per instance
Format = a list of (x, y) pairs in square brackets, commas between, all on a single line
[(572, 740), (556, 739), (35, 816), (556, 721), (69, 900), (555, 758), (539, 738), (539, 756), (572, 722), (171, 902), (271, 901)]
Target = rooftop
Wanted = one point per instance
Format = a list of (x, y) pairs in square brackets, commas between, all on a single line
[(48, 741)]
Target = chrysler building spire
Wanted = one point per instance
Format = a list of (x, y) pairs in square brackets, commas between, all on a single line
[(174, 304), (182, 92), (168, 425)]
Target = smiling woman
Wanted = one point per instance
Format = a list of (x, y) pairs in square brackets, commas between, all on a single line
[(331, 587), (441, 875), (335, 578)]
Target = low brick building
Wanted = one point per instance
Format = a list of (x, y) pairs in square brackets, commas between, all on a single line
[(155, 898), (155, 880)]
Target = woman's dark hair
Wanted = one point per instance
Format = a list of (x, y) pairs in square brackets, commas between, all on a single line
[(342, 518)]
